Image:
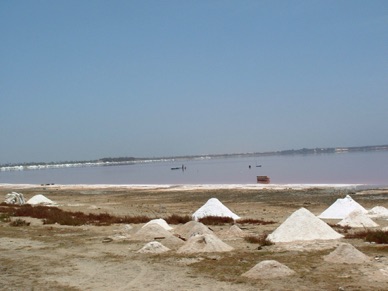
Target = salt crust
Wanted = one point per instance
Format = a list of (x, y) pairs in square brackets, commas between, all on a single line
[(302, 225), (161, 222), (346, 254), (268, 269), (204, 243), (153, 247), (357, 218), (40, 199), (213, 207), (342, 208)]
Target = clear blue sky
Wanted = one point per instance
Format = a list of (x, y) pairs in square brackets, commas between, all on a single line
[(83, 80)]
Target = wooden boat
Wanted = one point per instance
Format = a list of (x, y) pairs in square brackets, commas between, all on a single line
[(263, 179)]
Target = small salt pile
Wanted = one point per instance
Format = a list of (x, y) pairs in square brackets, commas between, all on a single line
[(268, 269), (213, 207), (150, 232), (159, 221), (204, 244), (153, 247), (357, 219), (302, 225), (378, 212), (192, 228), (346, 254), (342, 208), (153, 232), (14, 198), (40, 199)]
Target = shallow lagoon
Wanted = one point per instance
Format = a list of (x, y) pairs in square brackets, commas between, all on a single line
[(346, 168)]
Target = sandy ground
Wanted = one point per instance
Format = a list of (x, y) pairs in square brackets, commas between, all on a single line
[(55, 257)]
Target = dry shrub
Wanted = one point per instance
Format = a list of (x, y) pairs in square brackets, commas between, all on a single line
[(51, 215), (19, 222), (254, 221), (258, 239), (177, 219), (216, 220), (4, 217), (340, 228), (376, 236)]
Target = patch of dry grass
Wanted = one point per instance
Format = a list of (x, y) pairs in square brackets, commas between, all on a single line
[(376, 236), (258, 239)]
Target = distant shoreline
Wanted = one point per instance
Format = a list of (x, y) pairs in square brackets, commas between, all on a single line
[(132, 160), (190, 187)]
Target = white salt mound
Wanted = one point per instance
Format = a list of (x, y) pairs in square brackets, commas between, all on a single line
[(153, 247), (205, 243), (192, 228), (213, 207), (161, 222), (378, 212), (40, 199), (14, 198), (357, 219), (268, 269), (302, 225), (346, 254), (342, 208)]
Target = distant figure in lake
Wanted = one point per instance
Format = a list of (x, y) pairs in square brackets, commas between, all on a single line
[(249, 166)]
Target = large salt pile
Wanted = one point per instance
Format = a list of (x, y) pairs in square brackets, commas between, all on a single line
[(268, 269), (206, 243), (192, 228), (346, 254), (302, 225), (153, 247), (40, 199), (161, 222), (378, 212), (357, 219), (213, 207), (342, 208)]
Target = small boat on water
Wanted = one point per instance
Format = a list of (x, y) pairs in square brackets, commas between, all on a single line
[(176, 168), (263, 179)]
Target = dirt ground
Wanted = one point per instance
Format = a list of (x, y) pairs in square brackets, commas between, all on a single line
[(55, 257)]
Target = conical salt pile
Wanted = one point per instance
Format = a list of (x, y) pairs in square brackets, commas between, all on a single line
[(153, 247), (154, 231), (346, 254), (357, 219), (206, 243), (161, 222), (378, 212), (213, 207), (342, 208), (268, 269), (192, 228), (150, 232), (233, 232), (40, 199), (302, 225)]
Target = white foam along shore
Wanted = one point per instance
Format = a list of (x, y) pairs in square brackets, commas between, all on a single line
[(189, 187)]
